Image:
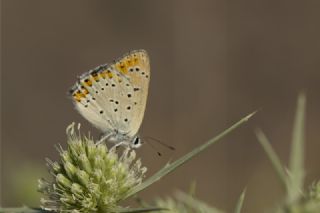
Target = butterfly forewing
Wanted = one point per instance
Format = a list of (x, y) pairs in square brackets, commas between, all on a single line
[(113, 97)]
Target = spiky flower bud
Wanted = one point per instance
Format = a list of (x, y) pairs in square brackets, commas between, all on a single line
[(89, 177), (314, 192), (309, 203)]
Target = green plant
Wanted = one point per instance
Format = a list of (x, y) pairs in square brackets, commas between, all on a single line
[(77, 184), (92, 178), (187, 203), (298, 200), (89, 178)]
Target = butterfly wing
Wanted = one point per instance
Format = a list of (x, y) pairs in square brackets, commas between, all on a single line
[(135, 66), (113, 97)]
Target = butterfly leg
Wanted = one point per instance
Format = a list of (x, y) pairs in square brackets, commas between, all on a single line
[(122, 143), (103, 138)]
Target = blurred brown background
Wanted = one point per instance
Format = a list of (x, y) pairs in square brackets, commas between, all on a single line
[(212, 63)]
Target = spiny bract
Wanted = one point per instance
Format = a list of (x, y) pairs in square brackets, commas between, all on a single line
[(89, 177)]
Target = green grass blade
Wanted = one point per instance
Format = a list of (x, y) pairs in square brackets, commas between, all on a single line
[(273, 158), (240, 202), (192, 188), (149, 209), (196, 204), (37, 210), (23, 209), (171, 167), (296, 163)]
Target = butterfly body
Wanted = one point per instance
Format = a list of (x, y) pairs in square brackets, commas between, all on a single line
[(113, 97)]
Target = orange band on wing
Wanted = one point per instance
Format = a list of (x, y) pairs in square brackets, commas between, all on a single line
[(88, 82), (78, 95)]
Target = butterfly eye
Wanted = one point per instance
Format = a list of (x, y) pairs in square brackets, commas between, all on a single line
[(136, 143), (131, 69)]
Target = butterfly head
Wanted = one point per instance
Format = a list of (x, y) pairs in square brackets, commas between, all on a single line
[(123, 140)]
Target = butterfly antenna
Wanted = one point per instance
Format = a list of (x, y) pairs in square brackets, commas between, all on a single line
[(152, 147), (162, 143)]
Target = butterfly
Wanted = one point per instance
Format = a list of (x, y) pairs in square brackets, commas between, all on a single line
[(113, 97)]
